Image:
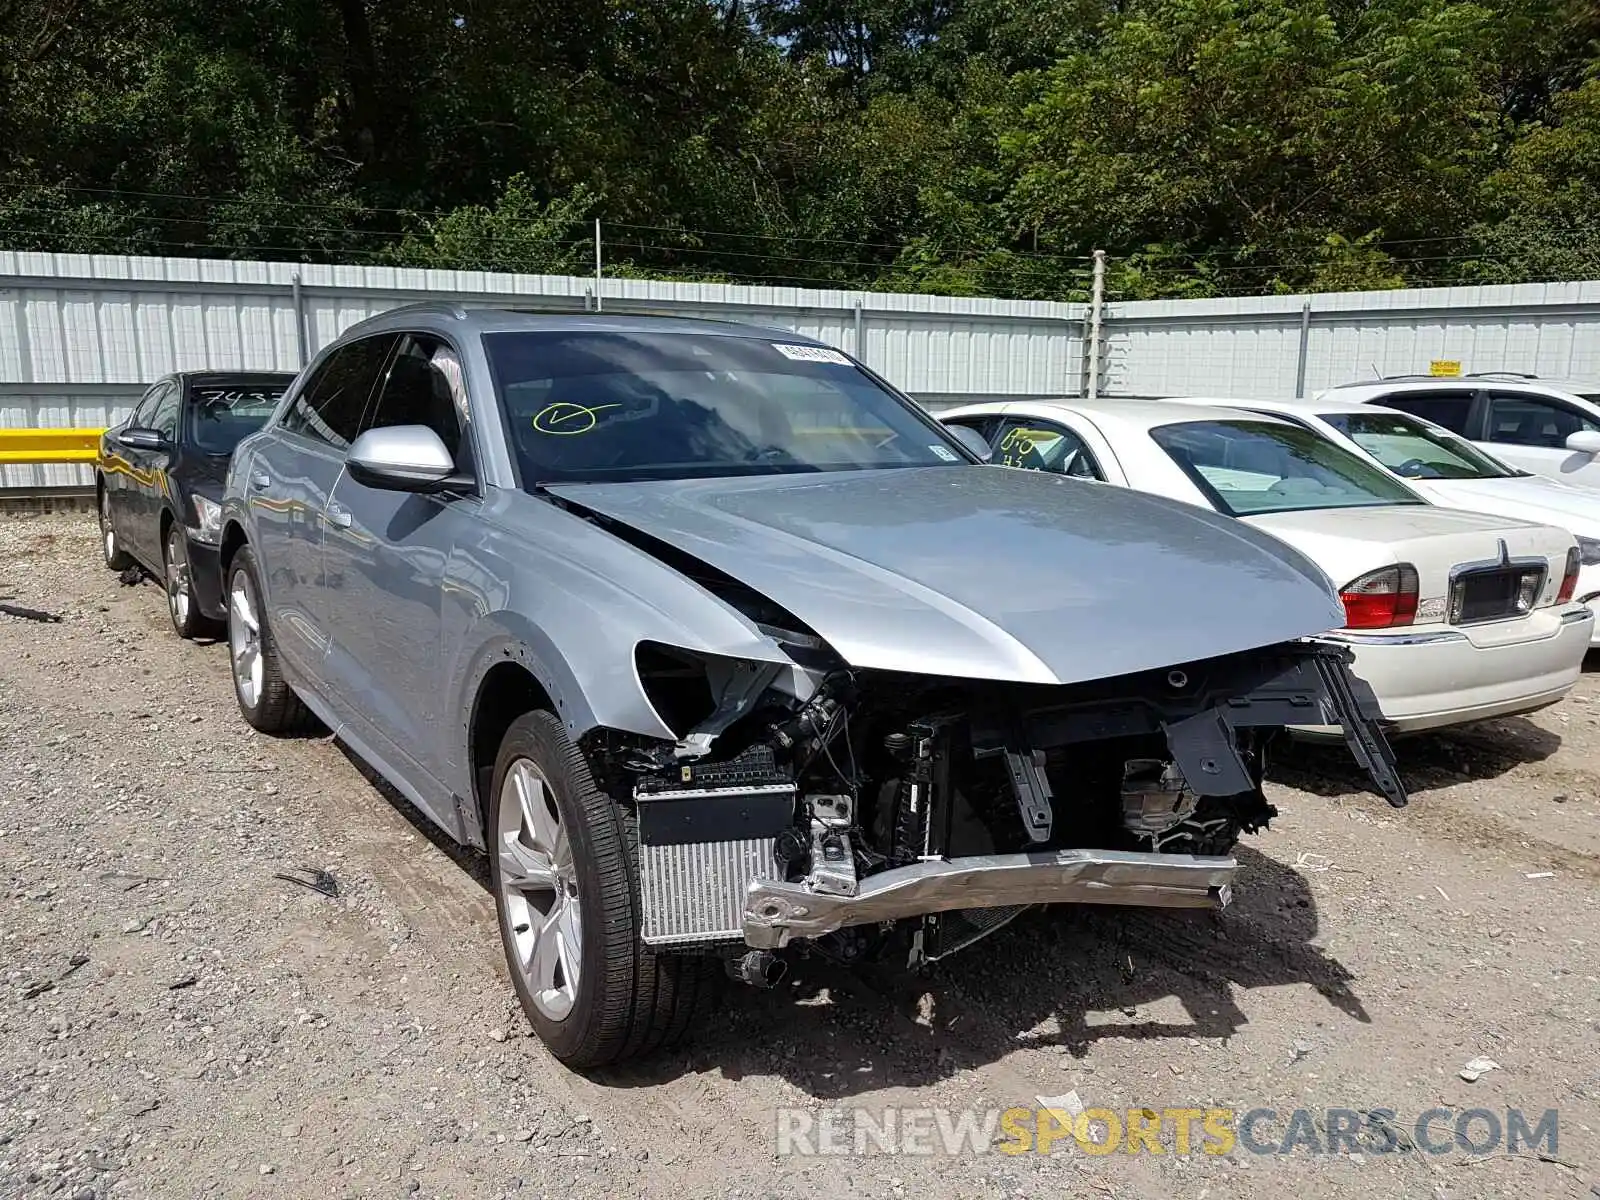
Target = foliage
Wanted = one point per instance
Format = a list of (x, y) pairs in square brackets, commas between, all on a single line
[(959, 146)]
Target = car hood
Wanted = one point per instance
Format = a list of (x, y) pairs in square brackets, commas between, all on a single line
[(1528, 498), (986, 572)]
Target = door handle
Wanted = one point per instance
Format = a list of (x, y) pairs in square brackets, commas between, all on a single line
[(260, 479), (339, 515)]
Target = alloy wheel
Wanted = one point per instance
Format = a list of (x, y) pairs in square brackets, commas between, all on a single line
[(108, 531), (539, 890), (244, 638), (180, 593)]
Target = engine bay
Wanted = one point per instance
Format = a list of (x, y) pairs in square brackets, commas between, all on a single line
[(816, 785)]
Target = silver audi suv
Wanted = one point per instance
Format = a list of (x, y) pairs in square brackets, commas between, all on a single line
[(726, 652)]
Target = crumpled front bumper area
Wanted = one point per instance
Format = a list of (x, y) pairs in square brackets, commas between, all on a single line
[(776, 912)]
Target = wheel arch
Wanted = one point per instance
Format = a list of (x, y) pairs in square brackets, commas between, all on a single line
[(508, 690), (232, 538)]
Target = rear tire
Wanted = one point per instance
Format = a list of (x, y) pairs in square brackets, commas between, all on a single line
[(563, 866), (110, 545), (265, 698)]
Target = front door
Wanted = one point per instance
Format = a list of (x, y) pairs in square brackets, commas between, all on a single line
[(384, 555), (1039, 444), (289, 482), (1531, 431)]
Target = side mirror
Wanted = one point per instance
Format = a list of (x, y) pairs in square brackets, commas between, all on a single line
[(402, 458), (972, 440), (1585, 441), (137, 438)]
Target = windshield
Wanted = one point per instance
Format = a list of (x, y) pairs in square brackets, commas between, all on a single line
[(1246, 467), (589, 406), (1408, 447), (222, 416)]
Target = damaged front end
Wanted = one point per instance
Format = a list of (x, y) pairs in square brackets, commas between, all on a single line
[(856, 812)]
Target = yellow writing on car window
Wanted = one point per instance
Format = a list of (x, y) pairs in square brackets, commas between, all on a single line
[(564, 419), (1019, 443)]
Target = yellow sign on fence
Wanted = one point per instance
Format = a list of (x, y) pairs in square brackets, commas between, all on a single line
[(1447, 367)]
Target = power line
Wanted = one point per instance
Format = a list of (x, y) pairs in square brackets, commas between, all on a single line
[(356, 212), (824, 262), (196, 198), (803, 237)]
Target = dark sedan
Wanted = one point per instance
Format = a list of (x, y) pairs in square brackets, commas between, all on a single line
[(159, 483)]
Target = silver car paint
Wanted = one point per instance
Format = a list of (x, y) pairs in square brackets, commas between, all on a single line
[(965, 571), (1010, 575)]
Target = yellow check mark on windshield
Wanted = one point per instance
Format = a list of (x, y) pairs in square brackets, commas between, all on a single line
[(564, 419)]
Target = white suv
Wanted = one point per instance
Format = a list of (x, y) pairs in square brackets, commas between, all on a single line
[(1549, 427)]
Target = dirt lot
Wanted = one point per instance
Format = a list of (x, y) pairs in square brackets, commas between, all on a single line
[(178, 1022)]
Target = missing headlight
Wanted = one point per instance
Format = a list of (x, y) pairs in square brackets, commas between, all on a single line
[(676, 684)]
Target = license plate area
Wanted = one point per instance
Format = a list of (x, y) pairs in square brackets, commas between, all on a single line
[(1495, 595)]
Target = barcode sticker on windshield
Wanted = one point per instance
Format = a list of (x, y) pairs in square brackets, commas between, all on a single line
[(810, 353)]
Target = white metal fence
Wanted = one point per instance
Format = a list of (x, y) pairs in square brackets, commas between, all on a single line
[(80, 335), (1264, 347)]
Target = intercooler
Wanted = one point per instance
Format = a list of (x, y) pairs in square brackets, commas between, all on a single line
[(694, 892), (704, 839)]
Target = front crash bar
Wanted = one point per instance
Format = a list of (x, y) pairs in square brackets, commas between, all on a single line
[(776, 912)]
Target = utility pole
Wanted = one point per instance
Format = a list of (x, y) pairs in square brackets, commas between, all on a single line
[(597, 274), (1097, 297), (1305, 345)]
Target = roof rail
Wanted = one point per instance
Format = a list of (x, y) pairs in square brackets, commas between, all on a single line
[(1527, 376), (448, 307)]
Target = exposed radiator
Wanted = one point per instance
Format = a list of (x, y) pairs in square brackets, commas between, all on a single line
[(693, 892)]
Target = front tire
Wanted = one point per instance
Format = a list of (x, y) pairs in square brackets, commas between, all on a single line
[(187, 620), (566, 889), (110, 545), (265, 698)]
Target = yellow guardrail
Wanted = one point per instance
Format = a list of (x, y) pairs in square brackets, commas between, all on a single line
[(25, 447)]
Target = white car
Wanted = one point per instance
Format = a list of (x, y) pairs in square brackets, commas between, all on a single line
[(1449, 471), (1551, 428), (1453, 616)]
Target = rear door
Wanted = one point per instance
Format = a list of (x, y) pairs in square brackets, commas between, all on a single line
[(384, 555), (147, 477), (1530, 431), (288, 481)]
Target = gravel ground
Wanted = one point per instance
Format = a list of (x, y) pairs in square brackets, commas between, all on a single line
[(178, 1021)]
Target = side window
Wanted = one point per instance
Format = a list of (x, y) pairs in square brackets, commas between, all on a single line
[(142, 411), (1523, 420), (163, 416), (1044, 446), (1450, 409), (423, 387), (331, 404)]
